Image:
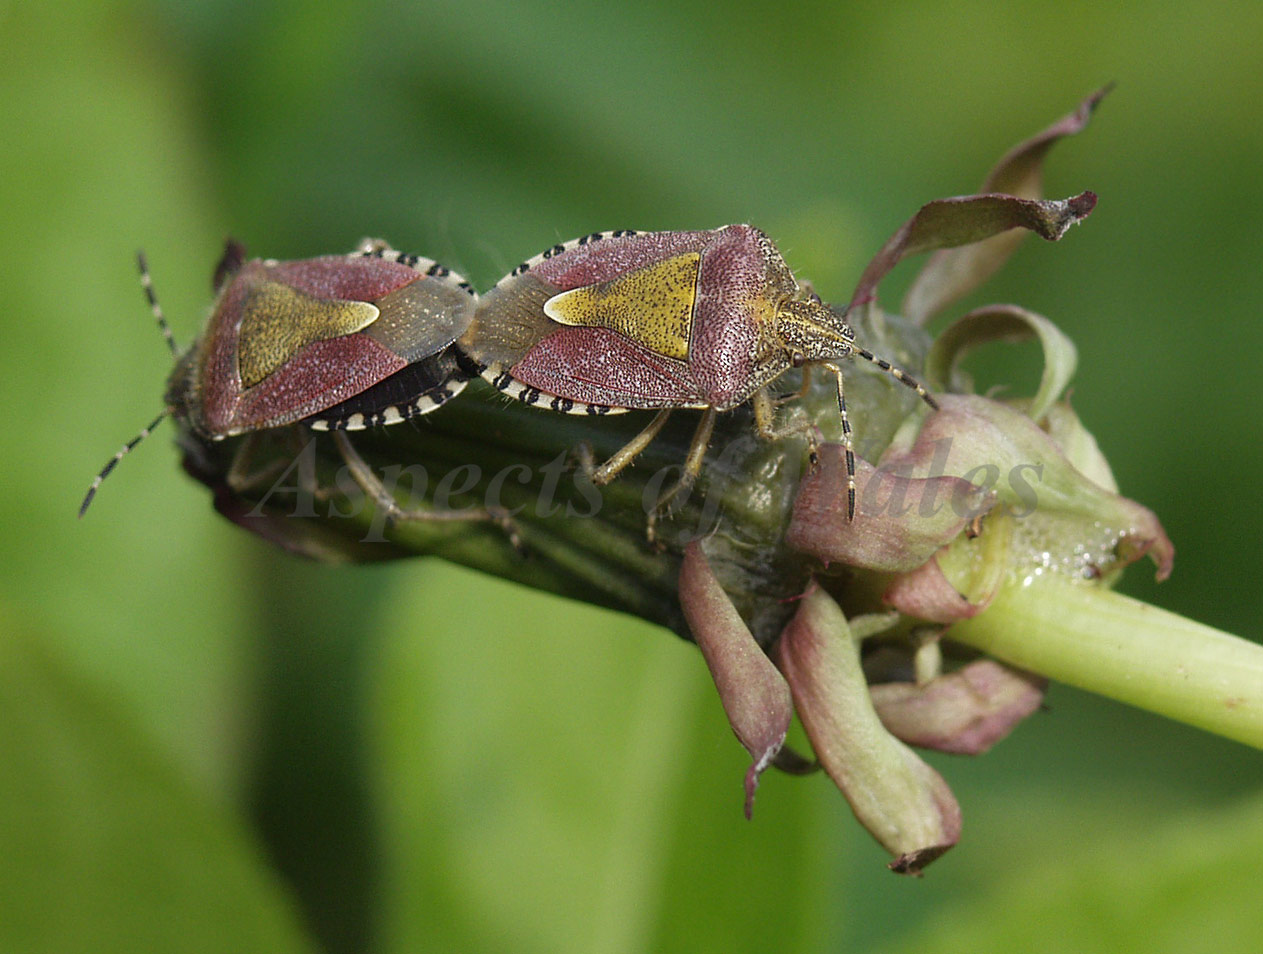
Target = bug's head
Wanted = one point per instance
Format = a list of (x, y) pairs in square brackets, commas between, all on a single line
[(180, 395), (811, 331)]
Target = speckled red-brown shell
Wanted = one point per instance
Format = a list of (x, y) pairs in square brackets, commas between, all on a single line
[(207, 389), (741, 277)]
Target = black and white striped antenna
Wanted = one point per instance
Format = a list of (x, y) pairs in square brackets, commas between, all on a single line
[(147, 284)]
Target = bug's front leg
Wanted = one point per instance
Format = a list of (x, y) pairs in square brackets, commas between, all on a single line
[(243, 476), (798, 395), (765, 425)]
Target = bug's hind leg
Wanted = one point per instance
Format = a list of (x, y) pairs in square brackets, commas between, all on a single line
[(621, 458), (385, 500), (692, 467)]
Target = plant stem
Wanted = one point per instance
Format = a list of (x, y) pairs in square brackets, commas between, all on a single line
[(1116, 646)]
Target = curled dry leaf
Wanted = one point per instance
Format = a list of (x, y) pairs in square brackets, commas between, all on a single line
[(1006, 323), (963, 712), (948, 223), (754, 694), (903, 802), (953, 273)]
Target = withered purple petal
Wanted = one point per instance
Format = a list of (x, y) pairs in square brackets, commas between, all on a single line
[(903, 802), (950, 274), (900, 521), (963, 712), (927, 594), (755, 696), (948, 223)]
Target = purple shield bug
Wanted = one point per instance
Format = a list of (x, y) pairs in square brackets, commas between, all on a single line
[(340, 342), (616, 321)]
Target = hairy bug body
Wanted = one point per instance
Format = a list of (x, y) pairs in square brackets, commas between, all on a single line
[(625, 320), (340, 342)]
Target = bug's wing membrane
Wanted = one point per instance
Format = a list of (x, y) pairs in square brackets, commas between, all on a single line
[(421, 318), (509, 321)]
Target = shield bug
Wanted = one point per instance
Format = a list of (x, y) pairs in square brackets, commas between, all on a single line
[(624, 320), (340, 342)]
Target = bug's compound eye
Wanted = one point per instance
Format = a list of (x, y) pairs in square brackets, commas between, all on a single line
[(797, 359)]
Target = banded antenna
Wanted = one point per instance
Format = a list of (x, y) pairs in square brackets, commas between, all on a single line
[(147, 284), (899, 376)]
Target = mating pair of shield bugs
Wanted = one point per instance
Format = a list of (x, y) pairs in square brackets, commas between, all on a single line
[(610, 322)]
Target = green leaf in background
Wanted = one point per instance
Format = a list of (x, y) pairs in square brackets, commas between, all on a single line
[(544, 790), (138, 595), (1157, 890), (105, 846), (188, 730)]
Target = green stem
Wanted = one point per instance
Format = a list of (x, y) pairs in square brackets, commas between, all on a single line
[(1116, 646), (1083, 635)]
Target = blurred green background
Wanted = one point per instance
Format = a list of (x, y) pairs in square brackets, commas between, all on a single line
[(206, 745)]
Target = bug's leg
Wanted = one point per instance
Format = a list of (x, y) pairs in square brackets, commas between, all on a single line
[(383, 499), (299, 440), (624, 455), (847, 443), (692, 467), (765, 426), (243, 476), (800, 393), (240, 477)]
